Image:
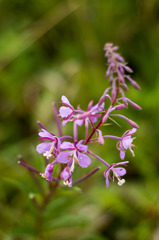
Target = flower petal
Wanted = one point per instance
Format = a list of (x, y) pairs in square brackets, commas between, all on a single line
[(82, 147), (120, 171), (65, 100), (43, 147), (63, 157), (122, 154), (107, 179), (64, 122), (65, 111), (79, 122), (127, 142), (66, 174), (133, 131), (46, 134), (67, 145), (84, 160)]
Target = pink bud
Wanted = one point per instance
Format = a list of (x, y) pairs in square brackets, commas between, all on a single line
[(90, 105), (136, 106), (119, 107), (125, 87), (135, 85), (102, 100), (128, 69), (132, 123), (100, 138), (83, 115)]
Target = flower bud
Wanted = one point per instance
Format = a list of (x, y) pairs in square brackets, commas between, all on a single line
[(100, 138), (135, 85), (83, 115), (119, 107), (136, 106), (102, 100), (125, 87), (132, 123)]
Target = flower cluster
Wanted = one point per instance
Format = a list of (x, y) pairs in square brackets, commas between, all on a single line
[(69, 151)]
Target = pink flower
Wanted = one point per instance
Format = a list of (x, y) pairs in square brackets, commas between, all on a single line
[(117, 172), (75, 154), (66, 176), (51, 148), (126, 142), (91, 115), (66, 111), (48, 172)]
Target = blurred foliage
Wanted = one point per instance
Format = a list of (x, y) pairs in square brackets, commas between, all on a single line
[(50, 48)]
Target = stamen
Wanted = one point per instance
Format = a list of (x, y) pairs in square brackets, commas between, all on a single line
[(72, 166), (121, 182), (47, 154), (43, 175)]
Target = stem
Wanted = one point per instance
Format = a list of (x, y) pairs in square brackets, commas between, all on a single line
[(93, 131), (86, 176), (34, 170), (106, 136), (66, 137), (29, 167), (75, 131), (31, 173), (58, 123), (98, 158), (41, 125)]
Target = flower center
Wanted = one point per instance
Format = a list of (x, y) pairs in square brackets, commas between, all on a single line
[(121, 181), (49, 153)]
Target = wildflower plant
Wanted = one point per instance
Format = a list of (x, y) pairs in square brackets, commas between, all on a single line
[(69, 151)]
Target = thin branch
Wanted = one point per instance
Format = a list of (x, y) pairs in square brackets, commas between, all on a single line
[(30, 169), (34, 170), (41, 125), (86, 176)]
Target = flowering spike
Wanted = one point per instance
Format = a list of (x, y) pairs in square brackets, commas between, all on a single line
[(75, 152)]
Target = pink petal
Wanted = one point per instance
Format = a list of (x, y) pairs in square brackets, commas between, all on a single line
[(63, 157), (64, 122), (79, 122), (120, 171), (65, 111), (133, 131), (84, 160), (127, 142), (43, 147), (122, 154), (107, 179), (46, 134), (65, 100), (67, 145), (82, 147)]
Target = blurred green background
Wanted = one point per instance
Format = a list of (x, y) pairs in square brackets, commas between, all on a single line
[(50, 48)]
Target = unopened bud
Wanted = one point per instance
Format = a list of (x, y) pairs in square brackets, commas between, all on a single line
[(105, 117), (125, 87), (83, 115), (132, 123), (128, 69), (119, 107), (102, 100), (90, 105), (100, 138), (136, 106), (135, 85)]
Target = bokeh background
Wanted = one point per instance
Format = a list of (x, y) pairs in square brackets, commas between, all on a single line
[(53, 48)]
